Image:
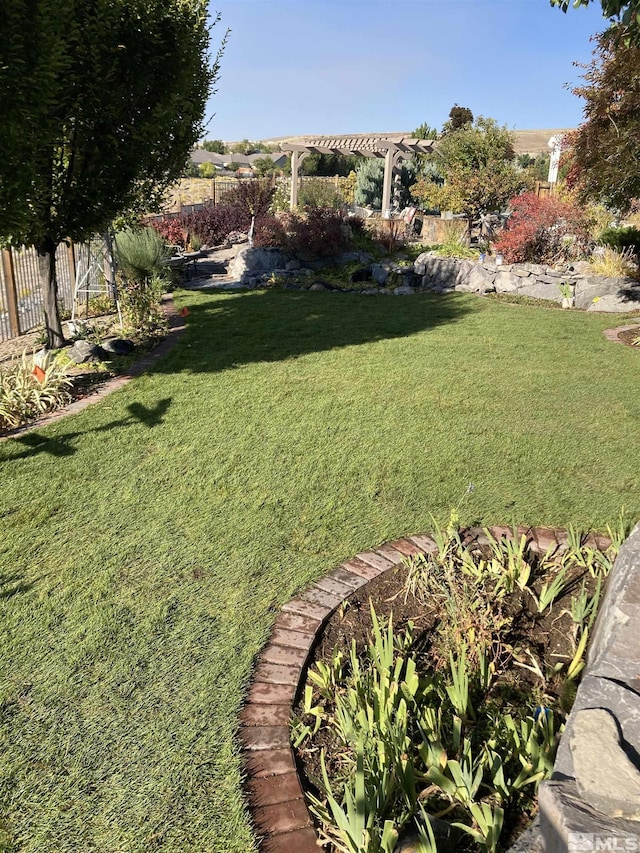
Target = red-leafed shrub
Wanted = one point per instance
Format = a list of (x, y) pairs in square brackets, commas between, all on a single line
[(317, 233), (214, 224), (543, 230), (252, 196), (171, 230), (270, 231)]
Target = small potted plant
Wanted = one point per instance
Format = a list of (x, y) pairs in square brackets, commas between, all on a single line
[(567, 292)]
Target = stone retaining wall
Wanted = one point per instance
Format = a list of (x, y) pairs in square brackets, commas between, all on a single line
[(593, 293), (252, 268)]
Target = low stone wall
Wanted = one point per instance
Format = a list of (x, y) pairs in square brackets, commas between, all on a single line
[(590, 292), (592, 801), (252, 267)]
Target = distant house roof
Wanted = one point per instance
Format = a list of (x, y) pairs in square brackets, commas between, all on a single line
[(199, 156)]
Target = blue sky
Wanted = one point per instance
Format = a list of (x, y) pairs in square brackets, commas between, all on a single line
[(341, 66)]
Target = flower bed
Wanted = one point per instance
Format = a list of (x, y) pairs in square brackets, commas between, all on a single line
[(438, 693)]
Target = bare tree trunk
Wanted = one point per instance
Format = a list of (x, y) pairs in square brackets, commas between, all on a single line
[(46, 250)]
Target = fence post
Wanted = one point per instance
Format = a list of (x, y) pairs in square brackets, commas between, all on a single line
[(72, 267), (12, 293)]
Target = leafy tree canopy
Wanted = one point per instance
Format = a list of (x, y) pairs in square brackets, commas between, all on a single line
[(425, 131), (328, 165), (216, 146), (101, 104), (606, 147), (477, 163), (264, 166), (459, 117), (623, 14)]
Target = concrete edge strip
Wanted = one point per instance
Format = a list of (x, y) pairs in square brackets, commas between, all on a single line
[(177, 328), (273, 788)]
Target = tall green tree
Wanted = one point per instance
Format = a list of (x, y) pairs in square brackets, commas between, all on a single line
[(624, 15), (605, 149), (101, 102), (480, 174), (216, 146), (328, 165), (459, 117)]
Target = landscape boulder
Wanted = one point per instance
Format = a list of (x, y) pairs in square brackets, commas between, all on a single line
[(83, 352), (251, 261), (118, 346)]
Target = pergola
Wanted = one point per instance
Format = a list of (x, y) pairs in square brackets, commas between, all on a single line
[(390, 147)]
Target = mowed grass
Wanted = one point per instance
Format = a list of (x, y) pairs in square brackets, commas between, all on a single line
[(147, 543)]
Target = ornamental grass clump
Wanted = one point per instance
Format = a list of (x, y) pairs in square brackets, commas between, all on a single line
[(24, 397), (614, 263), (141, 256)]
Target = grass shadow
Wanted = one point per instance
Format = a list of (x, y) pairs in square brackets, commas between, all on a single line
[(63, 445), (13, 584), (274, 325)]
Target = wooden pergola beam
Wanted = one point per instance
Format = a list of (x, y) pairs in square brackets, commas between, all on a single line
[(393, 147)]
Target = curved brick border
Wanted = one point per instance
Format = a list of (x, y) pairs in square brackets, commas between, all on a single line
[(613, 334), (176, 329), (274, 792)]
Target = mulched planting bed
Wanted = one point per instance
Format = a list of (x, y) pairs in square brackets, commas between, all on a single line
[(532, 652), (628, 336)]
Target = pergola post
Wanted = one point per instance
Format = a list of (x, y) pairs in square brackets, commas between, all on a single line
[(389, 159), (296, 158)]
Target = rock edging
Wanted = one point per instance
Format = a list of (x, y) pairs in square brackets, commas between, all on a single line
[(253, 267), (273, 788), (177, 327)]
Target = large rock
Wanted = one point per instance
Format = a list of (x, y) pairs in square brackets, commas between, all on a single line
[(539, 289), (595, 287), (84, 351), (606, 778), (592, 801), (506, 282), (615, 303), (118, 346), (252, 261), (420, 263), (479, 280), (379, 274)]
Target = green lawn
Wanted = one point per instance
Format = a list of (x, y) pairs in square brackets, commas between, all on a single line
[(147, 543)]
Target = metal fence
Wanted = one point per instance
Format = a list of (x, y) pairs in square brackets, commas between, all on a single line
[(21, 300)]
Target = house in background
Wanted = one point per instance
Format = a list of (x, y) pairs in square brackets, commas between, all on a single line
[(245, 162)]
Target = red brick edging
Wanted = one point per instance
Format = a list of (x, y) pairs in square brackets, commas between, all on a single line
[(176, 329), (613, 334), (273, 788)]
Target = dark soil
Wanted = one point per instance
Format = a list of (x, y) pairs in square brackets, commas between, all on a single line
[(629, 336), (548, 637)]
